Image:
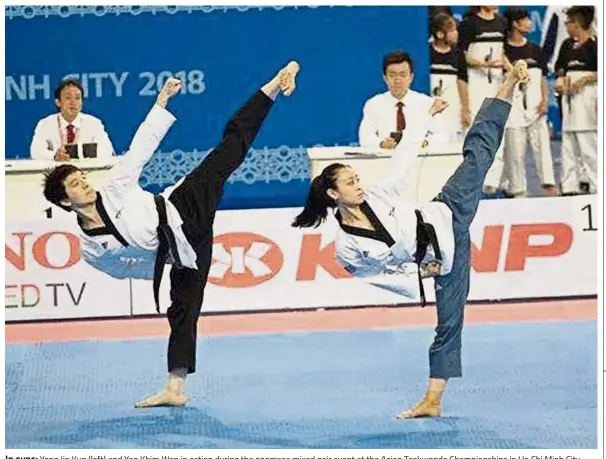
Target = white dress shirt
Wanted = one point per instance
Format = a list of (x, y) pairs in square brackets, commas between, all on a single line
[(129, 212), (379, 119), (51, 133)]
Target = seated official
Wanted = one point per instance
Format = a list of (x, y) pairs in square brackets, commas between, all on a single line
[(70, 133), (400, 116)]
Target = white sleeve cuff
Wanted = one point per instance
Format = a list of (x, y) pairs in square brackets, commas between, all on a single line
[(160, 117)]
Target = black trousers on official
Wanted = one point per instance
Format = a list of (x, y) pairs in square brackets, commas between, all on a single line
[(196, 200)]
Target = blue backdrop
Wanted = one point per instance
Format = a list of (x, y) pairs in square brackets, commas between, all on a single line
[(123, 54), (224, 54)]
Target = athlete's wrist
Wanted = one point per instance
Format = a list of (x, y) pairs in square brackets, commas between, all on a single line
[(162, 100)]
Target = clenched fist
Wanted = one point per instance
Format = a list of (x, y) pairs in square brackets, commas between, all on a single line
[(170, 88)]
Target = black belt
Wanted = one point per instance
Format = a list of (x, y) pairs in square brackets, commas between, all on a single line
[(426, 235), (167, 245)]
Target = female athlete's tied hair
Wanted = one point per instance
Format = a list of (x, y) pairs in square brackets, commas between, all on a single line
[(318, 201)]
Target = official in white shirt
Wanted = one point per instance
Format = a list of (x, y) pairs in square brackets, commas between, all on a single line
[(69, 127), (391, 244), (127, 232), (397, 118)]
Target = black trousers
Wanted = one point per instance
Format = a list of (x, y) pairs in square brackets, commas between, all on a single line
[(196, 200)]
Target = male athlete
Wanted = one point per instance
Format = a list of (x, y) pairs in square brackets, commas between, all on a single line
[(127, 232)]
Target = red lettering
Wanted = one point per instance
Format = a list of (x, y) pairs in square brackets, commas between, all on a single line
[(17, 260), (519, 243), (40, 254), (312, 256), (39, 249), (486, 259)]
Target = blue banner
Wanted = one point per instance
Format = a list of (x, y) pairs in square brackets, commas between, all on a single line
[(122, 55)]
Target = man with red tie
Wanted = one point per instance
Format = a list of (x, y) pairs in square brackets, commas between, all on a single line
[(55, 133), (398, 117)]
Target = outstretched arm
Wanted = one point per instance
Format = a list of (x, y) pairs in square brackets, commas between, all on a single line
[(146, 140)]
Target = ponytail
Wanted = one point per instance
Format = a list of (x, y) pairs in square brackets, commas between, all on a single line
[(318, 201)]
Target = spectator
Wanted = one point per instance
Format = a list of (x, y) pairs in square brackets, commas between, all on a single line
[(448, 77), (527, 122), (577, 72), (554, 33), (482, 40), (434, 11)]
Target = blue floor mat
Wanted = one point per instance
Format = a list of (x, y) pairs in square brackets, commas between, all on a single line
[(528, 385)]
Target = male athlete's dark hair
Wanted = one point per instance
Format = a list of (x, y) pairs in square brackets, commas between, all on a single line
[(438, 23), (54, 187), (318, 201), (582, 14), (397, 57)]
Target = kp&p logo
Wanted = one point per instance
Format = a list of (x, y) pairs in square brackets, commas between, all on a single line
[(244, 260)]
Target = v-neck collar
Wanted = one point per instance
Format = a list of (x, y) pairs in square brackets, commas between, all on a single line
[(380, 233), (108, 229)]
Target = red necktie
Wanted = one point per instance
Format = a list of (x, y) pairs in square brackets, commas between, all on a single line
[(401, 121), (71, 135)]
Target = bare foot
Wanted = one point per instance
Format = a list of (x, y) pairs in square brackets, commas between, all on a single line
[(164, 398), (421, 410)]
